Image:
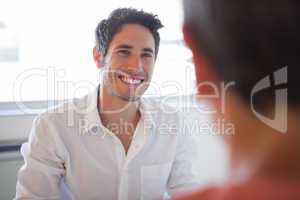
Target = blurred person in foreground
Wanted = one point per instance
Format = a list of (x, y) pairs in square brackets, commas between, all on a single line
[(255, 45)]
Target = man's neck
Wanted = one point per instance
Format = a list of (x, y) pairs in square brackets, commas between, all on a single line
[(119, 116), (113, 109), (273, 155)]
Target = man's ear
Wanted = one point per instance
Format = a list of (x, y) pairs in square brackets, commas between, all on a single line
[(203, 68), (208, 81), (98, 58)]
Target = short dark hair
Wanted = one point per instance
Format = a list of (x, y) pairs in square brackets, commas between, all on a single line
[(248, 40), (107, 28)]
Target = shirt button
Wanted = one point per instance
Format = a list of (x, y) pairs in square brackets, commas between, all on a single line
[(94, 130)]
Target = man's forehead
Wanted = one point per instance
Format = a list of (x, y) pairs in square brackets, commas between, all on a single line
[(133, 33), (127, 43)]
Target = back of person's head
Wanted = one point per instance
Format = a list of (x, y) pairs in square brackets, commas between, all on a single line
[(248, 40), (107, 28)]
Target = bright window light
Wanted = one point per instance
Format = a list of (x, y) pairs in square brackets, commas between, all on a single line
[(46, 48)]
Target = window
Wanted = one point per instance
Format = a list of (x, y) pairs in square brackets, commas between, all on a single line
[(46, 48)]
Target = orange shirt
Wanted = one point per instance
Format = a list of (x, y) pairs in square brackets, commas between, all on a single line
[(255, 189)]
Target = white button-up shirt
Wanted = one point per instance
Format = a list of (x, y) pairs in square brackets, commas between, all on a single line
[(69, 148)]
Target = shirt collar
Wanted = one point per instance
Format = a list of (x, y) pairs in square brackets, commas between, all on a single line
[(93, 120)]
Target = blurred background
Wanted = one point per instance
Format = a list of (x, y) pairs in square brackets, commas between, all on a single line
[(46, 57)]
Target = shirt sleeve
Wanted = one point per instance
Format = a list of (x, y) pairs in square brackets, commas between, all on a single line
[(39, 177), (185, 169)]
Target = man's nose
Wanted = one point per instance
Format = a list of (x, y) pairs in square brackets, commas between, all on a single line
[(135, 64)]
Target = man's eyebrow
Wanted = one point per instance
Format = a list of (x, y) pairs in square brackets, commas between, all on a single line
[(124, 46)]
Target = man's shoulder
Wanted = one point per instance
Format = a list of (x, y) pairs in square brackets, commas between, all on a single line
[(65, 109)]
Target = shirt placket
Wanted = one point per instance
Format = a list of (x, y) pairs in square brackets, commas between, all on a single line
[(136, 145), (123, 174)]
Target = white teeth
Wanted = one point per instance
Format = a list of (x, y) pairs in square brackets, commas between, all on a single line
[(131, 81)]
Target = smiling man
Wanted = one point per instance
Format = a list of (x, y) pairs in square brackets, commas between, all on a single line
[(111, 144)]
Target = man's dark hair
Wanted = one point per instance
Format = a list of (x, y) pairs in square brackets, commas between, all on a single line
[(248, 40), (109, 27)]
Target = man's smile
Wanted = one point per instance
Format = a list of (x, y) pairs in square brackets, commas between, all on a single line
[(130, 79)]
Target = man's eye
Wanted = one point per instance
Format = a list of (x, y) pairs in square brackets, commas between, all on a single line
[(123, 52), (147, 55)]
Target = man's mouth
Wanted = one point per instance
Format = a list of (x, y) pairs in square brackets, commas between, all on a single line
[(131, 79)]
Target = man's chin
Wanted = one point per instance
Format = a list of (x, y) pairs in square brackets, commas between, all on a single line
[(128, 98)]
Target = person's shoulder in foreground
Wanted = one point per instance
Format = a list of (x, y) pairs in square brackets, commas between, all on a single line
[(254, 189)]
